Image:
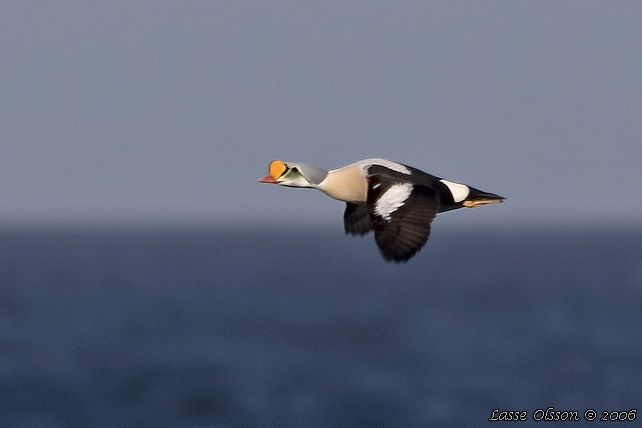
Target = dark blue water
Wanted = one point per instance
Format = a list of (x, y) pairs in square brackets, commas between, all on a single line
[(206, 328)]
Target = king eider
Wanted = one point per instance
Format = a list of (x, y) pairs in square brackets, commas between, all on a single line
[(397, 201)]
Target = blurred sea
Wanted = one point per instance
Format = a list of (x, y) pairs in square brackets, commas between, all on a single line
[(205, 328)]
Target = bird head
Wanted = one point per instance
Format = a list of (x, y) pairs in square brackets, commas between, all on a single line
[(294, 174)]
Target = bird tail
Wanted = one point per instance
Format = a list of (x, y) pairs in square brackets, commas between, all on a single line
[(477, 197)]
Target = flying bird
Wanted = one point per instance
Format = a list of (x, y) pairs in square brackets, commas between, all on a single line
[(397, 201)]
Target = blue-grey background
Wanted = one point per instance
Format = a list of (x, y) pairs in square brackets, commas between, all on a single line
[(147, 279)]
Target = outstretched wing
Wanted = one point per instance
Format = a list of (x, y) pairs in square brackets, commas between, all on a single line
[(356, 219), (401, 215)]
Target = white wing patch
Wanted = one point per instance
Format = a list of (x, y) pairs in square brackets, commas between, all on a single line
[(458, 190), (392, 199)]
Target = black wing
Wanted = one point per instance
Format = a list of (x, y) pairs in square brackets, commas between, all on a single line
[(356, 219), (406, 229)]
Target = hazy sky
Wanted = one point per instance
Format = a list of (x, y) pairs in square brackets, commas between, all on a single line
[(154, 111)]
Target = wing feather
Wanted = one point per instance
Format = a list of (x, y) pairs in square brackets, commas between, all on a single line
[(406, 229), (356, 219)]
